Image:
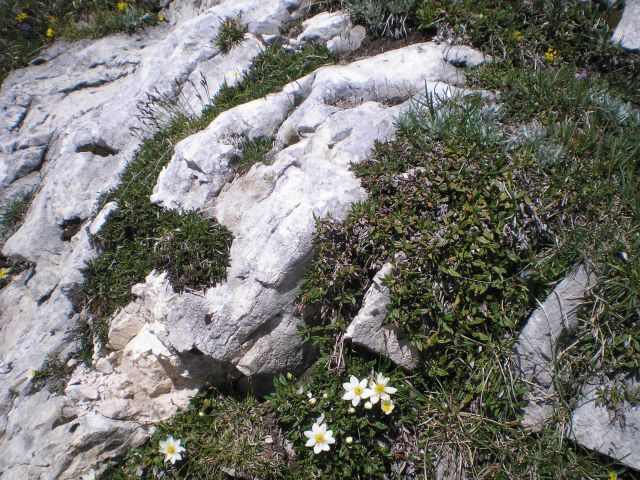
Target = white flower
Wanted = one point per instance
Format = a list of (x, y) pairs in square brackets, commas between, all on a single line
[(368, 405), (91, 475), (351, 410), (356, 390), (172, 449), (312, 401), (325, 395), (387, 406), (348, 440), (319, 438), (379, 389), (31, 373)]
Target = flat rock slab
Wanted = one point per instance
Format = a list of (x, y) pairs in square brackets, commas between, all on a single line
[(627, 33), (368, 330), (539, 342), (611, 431)]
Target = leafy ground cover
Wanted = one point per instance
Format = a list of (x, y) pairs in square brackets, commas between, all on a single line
[(27, 27)]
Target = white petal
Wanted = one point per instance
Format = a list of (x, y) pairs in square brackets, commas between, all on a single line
[(310, 443), (347, 386), (323, 428), (349, 395), (385, 396), (355, 401), (308, 434), (367, 393), (382, 379), (325, 446), (315, 428), (353, 380), (331, 440), (374, 399), (363, 383), (317, 449), (390, 389)]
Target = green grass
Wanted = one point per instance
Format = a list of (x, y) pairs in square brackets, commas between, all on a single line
[(27, 27), (253, 151), (222, 434), (13, 213), (230, 33), (141, 237)]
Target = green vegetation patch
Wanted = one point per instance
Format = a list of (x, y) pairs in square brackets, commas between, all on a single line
[(224, 437), (140, 237), (230, 33), (13, 213), (27, 27)]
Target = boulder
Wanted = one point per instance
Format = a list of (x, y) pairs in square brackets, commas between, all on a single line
[(368, 330)]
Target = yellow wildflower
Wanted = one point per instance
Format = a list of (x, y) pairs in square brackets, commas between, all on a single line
[(613, 476), (160, 17), (16, 58), (551, 55), (49, 32), (121, 6), (518, 36), (52, 19), (4, 271), (21, 17)]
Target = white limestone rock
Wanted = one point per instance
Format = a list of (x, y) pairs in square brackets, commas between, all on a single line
[(325, 26), (612, 431), (349, 41), (541, 339), (333, 29), (368, 330), (627, 33)]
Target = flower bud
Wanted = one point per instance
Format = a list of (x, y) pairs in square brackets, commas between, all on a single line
[(368, 406), (312, 401), (348, 440)]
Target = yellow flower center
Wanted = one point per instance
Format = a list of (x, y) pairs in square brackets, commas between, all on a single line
[(379, 388), (171, 449), (319, 438), (357, 390), (386, 407)]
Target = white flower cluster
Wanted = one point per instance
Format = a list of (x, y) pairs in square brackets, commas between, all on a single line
[(376, 391), (373, 391)]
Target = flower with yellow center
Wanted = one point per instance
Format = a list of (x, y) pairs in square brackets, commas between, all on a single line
[(518, 36), (319, 438), (356, 390), (49, 32), (22, 17), (5, 271), (121, 6), (379, 389), (161, 19), (171, 449), (550, 55), (387, 406), (31, 373)]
